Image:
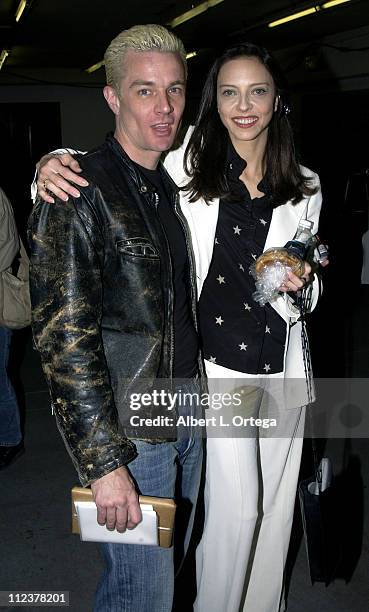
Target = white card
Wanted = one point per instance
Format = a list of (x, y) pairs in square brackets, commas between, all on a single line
[(145, 532)]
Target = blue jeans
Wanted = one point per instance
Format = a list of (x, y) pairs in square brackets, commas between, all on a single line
[(10, 431), (141, 578)]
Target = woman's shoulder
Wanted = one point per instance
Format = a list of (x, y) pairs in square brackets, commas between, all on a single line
[(180, 143), (184, 138), (313, 177), (313, 201), (174, 161)]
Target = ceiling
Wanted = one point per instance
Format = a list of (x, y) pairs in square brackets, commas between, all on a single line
[(73, 34)]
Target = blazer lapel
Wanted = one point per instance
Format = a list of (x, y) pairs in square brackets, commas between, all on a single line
[(284, 222), (202, 219)]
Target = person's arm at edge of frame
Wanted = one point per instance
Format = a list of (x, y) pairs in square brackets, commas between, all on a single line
[(66, 295), (9, 238)]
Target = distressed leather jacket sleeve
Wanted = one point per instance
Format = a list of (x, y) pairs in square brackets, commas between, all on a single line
[(67, 259)]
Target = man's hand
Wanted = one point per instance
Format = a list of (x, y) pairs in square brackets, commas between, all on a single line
[(296, 283), (55, 173), (117, 501)]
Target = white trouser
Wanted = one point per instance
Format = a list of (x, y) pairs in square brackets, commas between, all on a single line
[(249, 502)]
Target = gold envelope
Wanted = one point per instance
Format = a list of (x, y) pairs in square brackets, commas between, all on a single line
[(164, 507)]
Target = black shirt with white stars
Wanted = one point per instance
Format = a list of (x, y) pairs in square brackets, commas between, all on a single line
[(236, 331)]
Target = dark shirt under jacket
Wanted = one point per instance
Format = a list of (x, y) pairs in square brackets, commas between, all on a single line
[(236, 332), (186, 343)]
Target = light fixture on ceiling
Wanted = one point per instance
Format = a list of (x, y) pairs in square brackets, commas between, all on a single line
[(99, 65), (193, 12), (19, 12), (3, 55), (95, 67), (333, 3), (292, 17), (309, 11)]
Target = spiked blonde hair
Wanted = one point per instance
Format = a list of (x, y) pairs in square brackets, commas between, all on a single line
[(150, 37)]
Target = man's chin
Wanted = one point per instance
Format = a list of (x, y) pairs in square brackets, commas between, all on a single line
[(163, 144)]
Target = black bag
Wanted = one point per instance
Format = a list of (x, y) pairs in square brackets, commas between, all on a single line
[(321, 516), (321, 506)]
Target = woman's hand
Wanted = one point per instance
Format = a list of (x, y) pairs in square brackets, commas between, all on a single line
[(296, 283), (56, 172)]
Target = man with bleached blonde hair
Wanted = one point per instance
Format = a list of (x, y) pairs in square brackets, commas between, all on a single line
[(113, 293), (140, 38)]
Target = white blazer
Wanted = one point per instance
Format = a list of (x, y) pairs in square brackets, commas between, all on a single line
[(202, 219)]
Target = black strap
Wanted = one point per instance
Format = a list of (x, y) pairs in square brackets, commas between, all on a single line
[(303, 303)]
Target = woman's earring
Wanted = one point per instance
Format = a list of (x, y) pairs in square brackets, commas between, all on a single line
[(286, 109), (283, 108)]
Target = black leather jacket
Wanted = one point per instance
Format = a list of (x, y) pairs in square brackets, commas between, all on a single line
[(102, 297)]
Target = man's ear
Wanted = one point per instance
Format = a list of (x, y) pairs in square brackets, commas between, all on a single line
[(112, 99)]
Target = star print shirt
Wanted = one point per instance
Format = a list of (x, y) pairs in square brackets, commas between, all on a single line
[(236, 332)]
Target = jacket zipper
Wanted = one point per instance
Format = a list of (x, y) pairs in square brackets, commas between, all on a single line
[(171, 326), (193, 284), (191, 260)]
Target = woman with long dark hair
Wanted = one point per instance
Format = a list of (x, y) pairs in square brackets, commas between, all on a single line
[(242, 192)]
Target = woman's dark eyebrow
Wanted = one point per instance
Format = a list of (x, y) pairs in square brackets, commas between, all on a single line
[(252, 84)]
